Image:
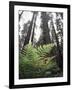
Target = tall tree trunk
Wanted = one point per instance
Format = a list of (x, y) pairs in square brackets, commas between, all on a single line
[(59, 24), (28, 33), (60, 58), (46, 36), (33, 27)]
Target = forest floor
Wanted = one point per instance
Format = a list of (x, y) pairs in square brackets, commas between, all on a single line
[(38, 62)]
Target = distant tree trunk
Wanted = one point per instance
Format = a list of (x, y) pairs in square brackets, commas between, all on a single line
[(46, 36), (33, 27), (32, 39), (28, 33)]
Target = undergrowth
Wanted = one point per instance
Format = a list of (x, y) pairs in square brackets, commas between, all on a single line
[(38, 62)]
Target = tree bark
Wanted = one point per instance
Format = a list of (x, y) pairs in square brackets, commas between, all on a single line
[(46, 36), (60, 58), (33, 27)]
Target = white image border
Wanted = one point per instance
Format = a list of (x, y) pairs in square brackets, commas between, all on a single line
[(18, 81)]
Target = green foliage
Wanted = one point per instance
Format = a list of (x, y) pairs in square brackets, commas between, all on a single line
[(38, 62)]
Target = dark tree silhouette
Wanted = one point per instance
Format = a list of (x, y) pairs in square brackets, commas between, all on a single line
[(45, 28), (33, 28)]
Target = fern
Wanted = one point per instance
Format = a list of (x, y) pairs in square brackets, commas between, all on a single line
[(38, 62)]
